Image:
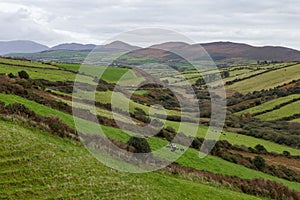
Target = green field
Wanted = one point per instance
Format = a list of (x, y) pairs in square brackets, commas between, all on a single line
[(109, 74), (267, 80), (40, 73), (285, 111), (38, 165), (37, 71), (26, 63), (34, 162), (296, 120), (237, 139), (238, 72), (55, 56), (190, 158), (121, 99), (269, 104)]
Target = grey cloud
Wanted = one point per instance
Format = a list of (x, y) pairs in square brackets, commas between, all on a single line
[(259, 23)]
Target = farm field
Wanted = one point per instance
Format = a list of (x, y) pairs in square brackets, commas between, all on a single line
[(296, 120), (35, 149), (105, 97), (209, 163), (37, 70), (269, 104), (237, 139), (56, 160), (267, 80), (26, 63), (285, 111), (40, 73), (231, 137)]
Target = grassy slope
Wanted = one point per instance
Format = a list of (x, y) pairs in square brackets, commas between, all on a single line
[(106, 97), (269, 104), (40, 73), (27, 63), (231, 137), (267, 80), (190, 158), (111, 74), (33, 163), (296, 120), (238, 139), (284, 111)]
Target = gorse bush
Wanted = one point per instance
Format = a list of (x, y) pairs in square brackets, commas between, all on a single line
[(259, 162), (52, 124), (140, 144), (23, 74)]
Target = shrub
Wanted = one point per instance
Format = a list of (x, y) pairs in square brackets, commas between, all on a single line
[(157, 123), (286, 154), (19, 109), (167, 133), (141, 115), (260, 148), (11, 75), (259, 162), (23, 74), (140, 144), (196, 144)]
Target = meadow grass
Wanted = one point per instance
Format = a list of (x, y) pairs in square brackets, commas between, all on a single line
[(285, 111), (26, 63), (120, 101), (39, 73), (34, 162), (109, 74), (190, 158), (269, 104), (235, 138), (295, 120), (267, 80)]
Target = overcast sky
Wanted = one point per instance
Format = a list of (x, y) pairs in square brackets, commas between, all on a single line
[(91, 21)]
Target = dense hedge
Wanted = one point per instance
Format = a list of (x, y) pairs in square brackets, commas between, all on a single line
[(258, 187), (52, 124)]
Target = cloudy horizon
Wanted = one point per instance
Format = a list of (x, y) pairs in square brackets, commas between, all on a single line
[(270, 23)]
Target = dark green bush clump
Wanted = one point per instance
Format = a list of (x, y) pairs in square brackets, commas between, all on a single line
[(140, 144), (23, 74)]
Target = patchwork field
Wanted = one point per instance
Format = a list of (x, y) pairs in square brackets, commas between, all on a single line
[(190, 158), (267, 80), (269, 104), (34, 162), (57, 160), (285, 111)]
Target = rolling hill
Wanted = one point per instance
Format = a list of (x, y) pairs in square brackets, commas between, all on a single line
[(229, 50), (21, 46), (37, 158), (73, 46), (220, 52)]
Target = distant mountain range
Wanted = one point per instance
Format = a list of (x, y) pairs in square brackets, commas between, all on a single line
[(73, 46), (222, 51), (114, 46), (21, 46), (219, 51)]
